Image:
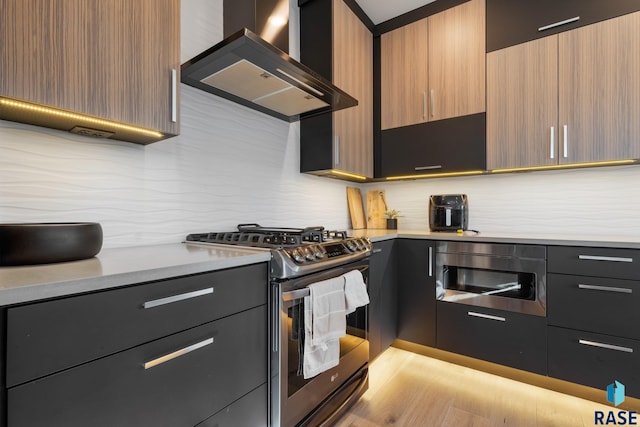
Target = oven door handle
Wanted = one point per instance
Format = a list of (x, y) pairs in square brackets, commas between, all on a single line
[(305, 292)]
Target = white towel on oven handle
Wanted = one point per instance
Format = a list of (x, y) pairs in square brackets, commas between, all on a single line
[(328, 319), (355, 291), (317, 358), (324, 324)]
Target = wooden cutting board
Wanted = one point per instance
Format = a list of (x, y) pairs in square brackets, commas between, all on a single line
[(356, 211), (376, 207)]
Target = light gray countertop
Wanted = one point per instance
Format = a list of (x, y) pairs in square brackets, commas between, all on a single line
[(628, 242), (125, 266), (120, 267)]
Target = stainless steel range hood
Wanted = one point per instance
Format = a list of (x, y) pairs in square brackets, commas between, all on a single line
[(247, 69)]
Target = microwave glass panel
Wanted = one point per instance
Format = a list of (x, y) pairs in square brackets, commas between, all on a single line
[(490, 282)]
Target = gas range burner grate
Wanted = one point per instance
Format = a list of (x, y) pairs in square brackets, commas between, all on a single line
[(257, 236)]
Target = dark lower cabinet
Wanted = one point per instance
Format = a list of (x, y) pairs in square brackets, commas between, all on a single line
[(594, 360), (416, 292), (250, 410), (504, 337), (383, 297), (174, 353), (124, 390), (596, 304), (451, 145)]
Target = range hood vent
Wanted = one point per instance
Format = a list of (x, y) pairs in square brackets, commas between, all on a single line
[(246, 69)]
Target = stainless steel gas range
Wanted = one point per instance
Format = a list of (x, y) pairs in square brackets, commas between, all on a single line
[(300, 257)]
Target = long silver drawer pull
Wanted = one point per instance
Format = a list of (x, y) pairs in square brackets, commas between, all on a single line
[(557, 24), (426, 168), (604, 258), (486, 316), (552, 138), (430, 261), (160, 360), (566, 141), (377, 251), (605, 288), (607, 346), (176, 298), (337, 155)]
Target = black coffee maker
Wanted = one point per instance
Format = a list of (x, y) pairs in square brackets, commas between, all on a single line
[(448, 212)]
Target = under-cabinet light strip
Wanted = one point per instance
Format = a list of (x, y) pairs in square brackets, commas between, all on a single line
[(565, 166), (434, 175), (61, 113), (348, 175)]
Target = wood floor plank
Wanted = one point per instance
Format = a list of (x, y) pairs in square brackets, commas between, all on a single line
[(408, 389)]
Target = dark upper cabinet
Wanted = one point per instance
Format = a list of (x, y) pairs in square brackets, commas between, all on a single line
[(335, 42), (511, 22), (451, 145)]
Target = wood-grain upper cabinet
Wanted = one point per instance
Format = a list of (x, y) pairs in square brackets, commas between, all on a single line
[(404, 84), (599, 91), (522, 105), (434, 68), (109, 59), (567, 98), (457, 61), (353, 73), (338, 45)]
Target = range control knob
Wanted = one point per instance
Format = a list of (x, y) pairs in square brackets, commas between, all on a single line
[(309, 254), (351, 246), (297, 256), (319, 254)]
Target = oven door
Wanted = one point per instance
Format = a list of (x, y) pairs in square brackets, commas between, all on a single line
[(318, 400)]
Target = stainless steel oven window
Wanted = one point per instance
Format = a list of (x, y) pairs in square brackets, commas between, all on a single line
[(501, 276)]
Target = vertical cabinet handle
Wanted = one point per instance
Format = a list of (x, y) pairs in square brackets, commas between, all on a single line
[(174, 95), (552, 138), (424, 105), (430, 261), (565, 130), (275, 320), (160, 360), (337, 147), (433, 103)]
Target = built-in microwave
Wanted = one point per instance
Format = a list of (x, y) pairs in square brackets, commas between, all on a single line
[(494, 275)]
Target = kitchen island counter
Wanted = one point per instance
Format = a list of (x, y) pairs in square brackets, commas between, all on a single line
[(116, 267)]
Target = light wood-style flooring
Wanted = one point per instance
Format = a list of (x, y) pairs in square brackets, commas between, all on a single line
[(408, 389)]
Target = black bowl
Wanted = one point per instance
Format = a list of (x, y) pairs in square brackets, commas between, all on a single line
[(44, 243)]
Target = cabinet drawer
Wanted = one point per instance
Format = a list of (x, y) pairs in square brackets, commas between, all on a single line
[(513, 22), (450, 145), (606, 306), (250, 410), (46, 337), (503, 337), (119, 390), (599, 262), (594, 360)]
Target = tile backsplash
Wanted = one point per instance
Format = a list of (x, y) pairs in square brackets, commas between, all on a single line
[(232, 165)]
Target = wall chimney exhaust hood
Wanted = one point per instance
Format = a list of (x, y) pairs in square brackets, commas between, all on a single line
[(249, 69)]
